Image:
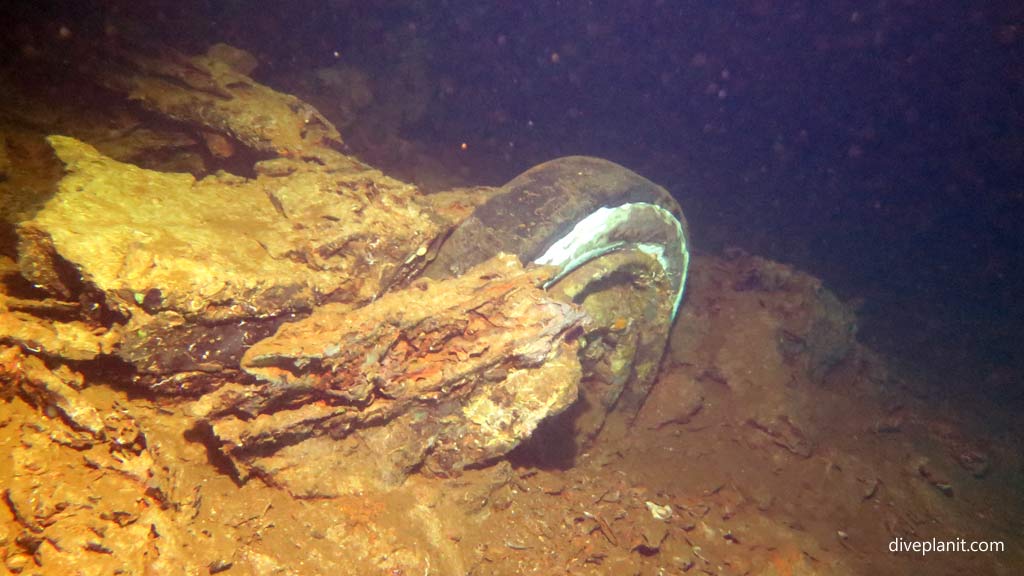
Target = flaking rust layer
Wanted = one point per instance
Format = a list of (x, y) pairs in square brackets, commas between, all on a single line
[(72, 340), (445, 374), (201, 269)]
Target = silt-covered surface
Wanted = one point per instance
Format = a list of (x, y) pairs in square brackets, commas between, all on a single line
[(250, 373)]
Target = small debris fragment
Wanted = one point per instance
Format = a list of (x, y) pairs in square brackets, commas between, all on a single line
[(974, 461), (218, 566), (663, 513), (872, 489), (606, 530), (940, 484), (94, 546)]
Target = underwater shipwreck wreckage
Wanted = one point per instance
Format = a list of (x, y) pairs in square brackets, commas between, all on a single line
[(333, 333), (322, 298), (330, 328)]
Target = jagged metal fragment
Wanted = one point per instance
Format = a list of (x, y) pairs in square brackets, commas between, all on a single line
[(214, 90), (201, 269), (443, 374)]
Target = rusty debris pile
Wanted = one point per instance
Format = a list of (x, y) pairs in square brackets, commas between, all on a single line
[(309, 367)]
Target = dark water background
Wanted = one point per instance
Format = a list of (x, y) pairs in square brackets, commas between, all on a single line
[(877, 145)]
